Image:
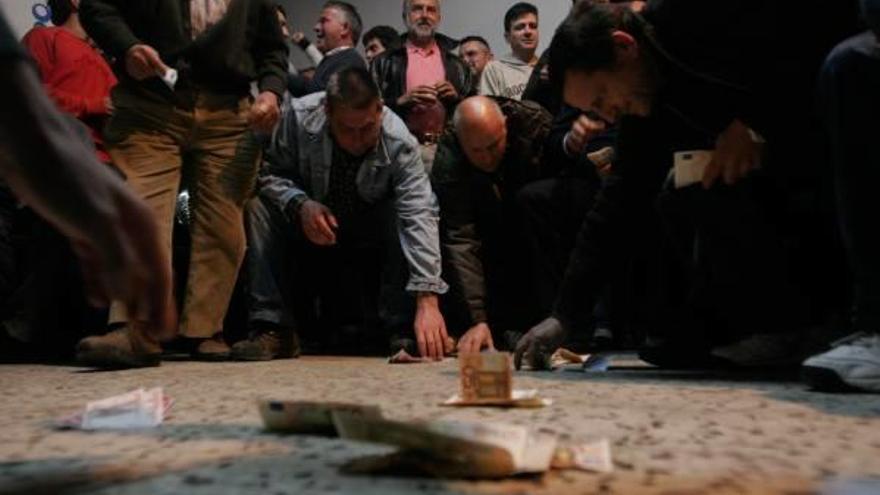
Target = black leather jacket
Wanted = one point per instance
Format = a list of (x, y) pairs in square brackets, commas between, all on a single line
[(389, 71)]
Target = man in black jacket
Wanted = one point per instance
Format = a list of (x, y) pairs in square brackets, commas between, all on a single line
[(686, 76), (495, 166), (183, 108), (337, 33), (423, 80)]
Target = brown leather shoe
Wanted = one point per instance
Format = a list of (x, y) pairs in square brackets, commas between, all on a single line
[(266, 345), (124, 348), (213, 349)]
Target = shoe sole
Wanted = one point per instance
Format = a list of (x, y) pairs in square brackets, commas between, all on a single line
[(212, 358), (118, 361), (826, 380), (263, 357)]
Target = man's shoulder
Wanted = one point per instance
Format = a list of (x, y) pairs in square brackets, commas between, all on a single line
[(528, 113), (40, 34), (396, 135), (450, 163)]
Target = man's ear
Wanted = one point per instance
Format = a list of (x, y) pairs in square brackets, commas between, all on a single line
[(625, 45)]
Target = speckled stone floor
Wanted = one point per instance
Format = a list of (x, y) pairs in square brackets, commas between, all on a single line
[(672, 433)]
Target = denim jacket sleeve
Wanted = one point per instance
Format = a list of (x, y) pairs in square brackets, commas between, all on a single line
[(419, 216), (280, 179)]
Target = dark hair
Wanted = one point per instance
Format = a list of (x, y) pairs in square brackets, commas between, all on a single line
[(478, 39), (353, 87), (352, 17), (60, 10), (387, 35), (517, 11), (280, 9), (583, 41)]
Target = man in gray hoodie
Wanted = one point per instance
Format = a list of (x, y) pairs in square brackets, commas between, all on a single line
[(509, 75)]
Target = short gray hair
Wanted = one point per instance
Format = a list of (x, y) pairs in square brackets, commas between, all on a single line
[(352, 18), (407, 4)]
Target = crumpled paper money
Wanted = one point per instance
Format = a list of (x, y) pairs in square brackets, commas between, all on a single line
[(133, 410)]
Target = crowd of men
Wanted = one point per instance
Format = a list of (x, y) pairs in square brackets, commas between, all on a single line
[(689, 178)]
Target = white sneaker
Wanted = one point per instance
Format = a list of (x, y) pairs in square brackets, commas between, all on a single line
[(853, 363)]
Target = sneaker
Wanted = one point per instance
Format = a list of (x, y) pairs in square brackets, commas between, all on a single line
[(852, 364), (211, 349), (266, 345), (120, 349), (763, 350)]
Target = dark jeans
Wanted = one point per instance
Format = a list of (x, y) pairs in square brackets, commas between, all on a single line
[(850, 96), (358, 282), (724, 270)]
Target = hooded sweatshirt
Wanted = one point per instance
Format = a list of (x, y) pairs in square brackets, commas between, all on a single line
[(508, 77)]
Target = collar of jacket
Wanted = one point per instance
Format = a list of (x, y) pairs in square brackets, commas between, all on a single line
[(445, 43), (317, 125)]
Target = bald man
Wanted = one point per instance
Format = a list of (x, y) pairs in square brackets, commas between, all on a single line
[(481, 171)]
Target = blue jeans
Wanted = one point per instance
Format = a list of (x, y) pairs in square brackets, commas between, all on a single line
[(849, 94)]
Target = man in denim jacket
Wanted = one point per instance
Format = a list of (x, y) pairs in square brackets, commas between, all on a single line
[(342, 174)]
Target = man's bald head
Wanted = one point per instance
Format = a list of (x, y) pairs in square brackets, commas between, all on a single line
[(481, 128)]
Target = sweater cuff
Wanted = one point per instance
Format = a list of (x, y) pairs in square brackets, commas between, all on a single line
[(275, 84)]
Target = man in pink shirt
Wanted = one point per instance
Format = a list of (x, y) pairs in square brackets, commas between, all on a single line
[(423, 80)]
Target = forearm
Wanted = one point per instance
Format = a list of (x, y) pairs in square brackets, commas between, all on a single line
[(105, 23)]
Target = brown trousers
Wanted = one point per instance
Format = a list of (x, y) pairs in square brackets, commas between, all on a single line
[(155, 143)]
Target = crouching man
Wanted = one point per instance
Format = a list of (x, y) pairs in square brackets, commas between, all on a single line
[(342, 174)]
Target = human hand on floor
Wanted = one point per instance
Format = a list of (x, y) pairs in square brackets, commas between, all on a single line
[(318, 223), (430, 328), (475, 339), (539, 344), (143, 62), (736, 155), (265, 112)]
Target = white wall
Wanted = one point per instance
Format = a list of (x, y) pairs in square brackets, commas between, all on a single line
[(460, 17), (20, 14)]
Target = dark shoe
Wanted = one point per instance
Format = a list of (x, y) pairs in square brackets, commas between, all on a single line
[(120, 349), (213, 349), (408, 344), (266, 345), (675, 355)]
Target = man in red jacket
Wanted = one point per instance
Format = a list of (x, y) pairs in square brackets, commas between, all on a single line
[(75, 75)]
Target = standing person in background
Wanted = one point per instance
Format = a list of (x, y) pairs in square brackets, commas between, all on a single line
[(379, 40), (850, 96), (49, 168), (200, 123), (74, 74), (298, 38), (338, 30), (476, 52), (423, 80), (509, 75)]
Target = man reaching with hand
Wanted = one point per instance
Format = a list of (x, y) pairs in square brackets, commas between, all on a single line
[(343, 180), (197, 126)]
